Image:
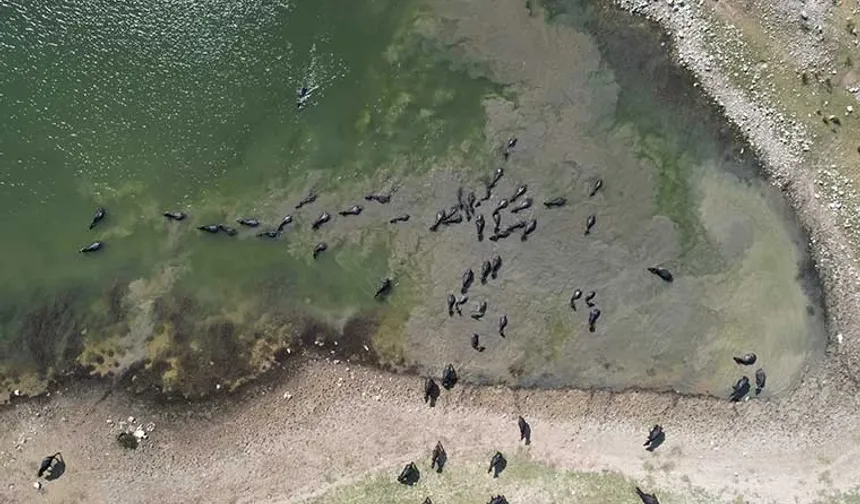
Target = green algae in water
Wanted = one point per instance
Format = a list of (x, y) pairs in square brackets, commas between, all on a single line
[(195, 110)]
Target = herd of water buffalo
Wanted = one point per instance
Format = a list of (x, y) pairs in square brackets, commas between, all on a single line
[(467, 207)]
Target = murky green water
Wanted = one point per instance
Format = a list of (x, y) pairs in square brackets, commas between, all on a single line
[(150, 106)]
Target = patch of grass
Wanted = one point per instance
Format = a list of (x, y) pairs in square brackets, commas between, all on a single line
[(467, 482)]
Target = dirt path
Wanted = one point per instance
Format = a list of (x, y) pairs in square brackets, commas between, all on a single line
[(343, 422)]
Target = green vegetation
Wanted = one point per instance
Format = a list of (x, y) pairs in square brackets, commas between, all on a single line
[(522, 481)]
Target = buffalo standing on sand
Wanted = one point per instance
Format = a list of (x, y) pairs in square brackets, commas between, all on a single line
[(740, 389), (497, 464), (449, 377), (655, 438), (525, 430), (52, 467), (431, 391), (646, 498), (438, 458), (409, 475)]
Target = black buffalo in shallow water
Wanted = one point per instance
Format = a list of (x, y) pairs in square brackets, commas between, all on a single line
[(248, 222), (740, 389), (760, 379), (663, 273), (211, 228), (320, 248), (353, 210), (655, 438), (451, 301), (227, 230), (523, 205), (176, 216), (530, 228), (746, 360), (555, 202), (501, 206), (449, 377), (598, 184), (438, 458), (98, 217), (525, 430), (479, 225), (503, 322), (481, 311), (460, 302), (497, 176), (440, 217), (476, 343), (92, 247), (431, 391), (310, 198), (519, 192), (577, 294), (399, 218), (284, 223), (271, 233), (322, 219), (486, 268), (589, 223), (592, 319), (468, 278), (497, 265), (646, 498), (409, 475), (497, 464), (379, 198), (384, 288)]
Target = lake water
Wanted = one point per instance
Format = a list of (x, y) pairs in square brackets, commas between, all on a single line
[(149, 106)]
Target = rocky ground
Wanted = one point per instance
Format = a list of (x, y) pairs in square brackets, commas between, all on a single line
[(327, 425)]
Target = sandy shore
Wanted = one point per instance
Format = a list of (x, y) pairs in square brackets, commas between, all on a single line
[(329, 423)]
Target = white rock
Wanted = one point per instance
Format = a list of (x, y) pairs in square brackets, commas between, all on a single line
[(130, 419), (37, 485)]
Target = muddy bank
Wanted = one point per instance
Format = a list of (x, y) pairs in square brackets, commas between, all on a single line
[(323, 423)]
